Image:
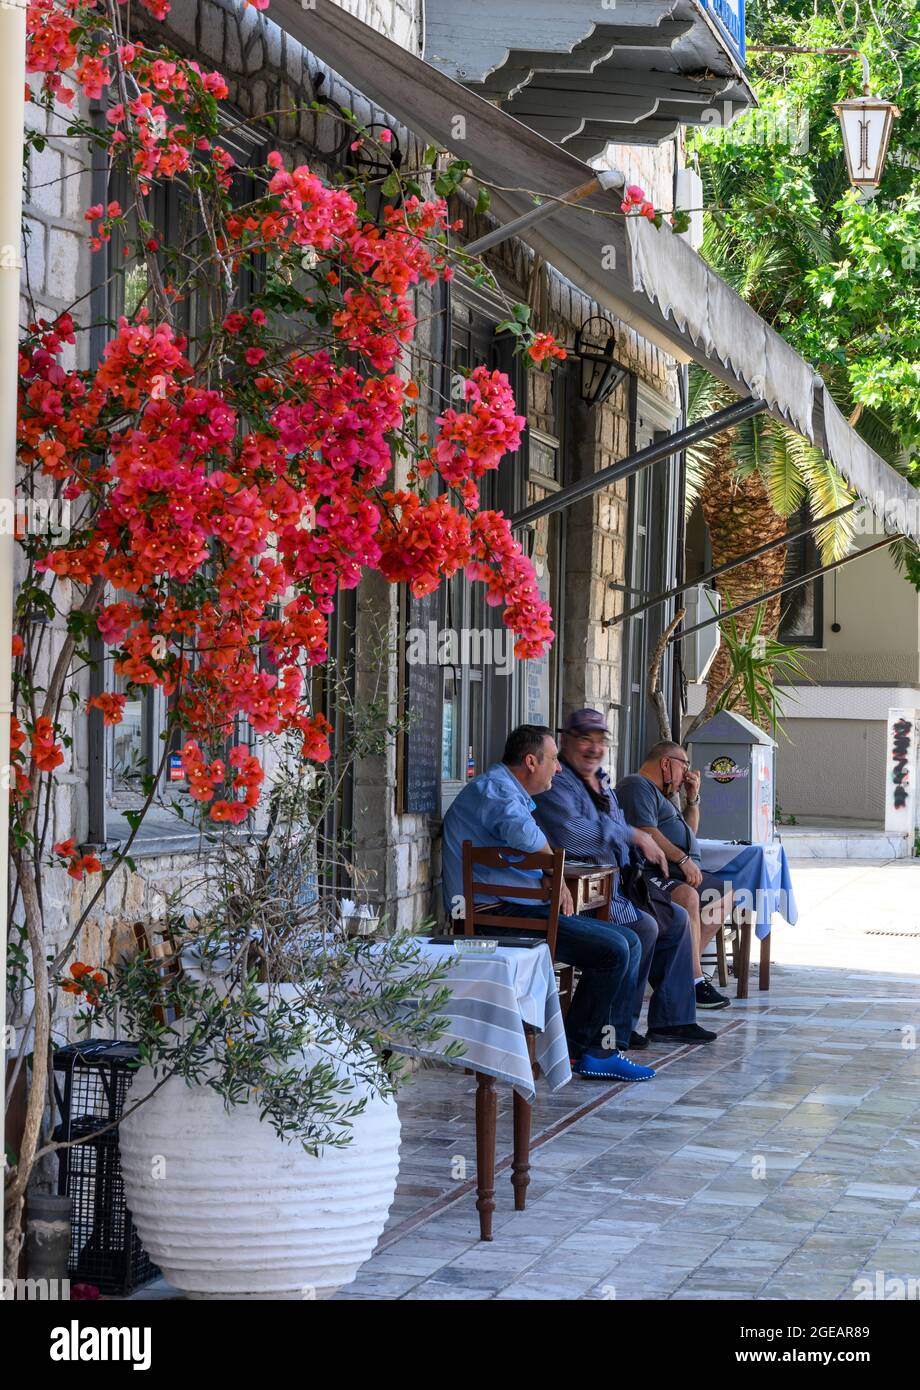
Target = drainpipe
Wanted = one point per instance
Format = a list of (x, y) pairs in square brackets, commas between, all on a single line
[(12, 84)]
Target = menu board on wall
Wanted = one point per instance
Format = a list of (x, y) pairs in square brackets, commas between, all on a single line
[(421, 743)]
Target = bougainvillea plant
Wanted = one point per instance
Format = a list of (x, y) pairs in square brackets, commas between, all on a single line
[(248, 444)]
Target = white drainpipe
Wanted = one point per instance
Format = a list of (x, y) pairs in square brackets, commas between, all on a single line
[(12, 83)]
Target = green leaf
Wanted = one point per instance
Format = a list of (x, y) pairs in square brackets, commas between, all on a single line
[(483, 200), (390, 186)]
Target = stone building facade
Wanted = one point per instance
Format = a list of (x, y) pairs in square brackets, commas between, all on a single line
[(395, 848)]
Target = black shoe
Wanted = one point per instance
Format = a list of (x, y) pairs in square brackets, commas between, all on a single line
[(683, 1032), (708, 997), (637, 1041)]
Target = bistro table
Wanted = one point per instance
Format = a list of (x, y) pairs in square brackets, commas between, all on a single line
[(761, 885), (493, 995)]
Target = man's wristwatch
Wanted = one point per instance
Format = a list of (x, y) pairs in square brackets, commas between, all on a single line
[(695, 801)]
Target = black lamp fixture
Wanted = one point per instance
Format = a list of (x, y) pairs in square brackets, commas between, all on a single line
[(378, 159), (601, 373)]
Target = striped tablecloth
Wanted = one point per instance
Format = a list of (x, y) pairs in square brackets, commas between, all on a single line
[(491, 998), (760, 879)]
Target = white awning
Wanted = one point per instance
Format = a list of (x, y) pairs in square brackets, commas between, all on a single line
[(650, 278)]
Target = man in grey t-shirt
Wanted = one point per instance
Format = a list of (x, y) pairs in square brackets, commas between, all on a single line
[(645, 799)]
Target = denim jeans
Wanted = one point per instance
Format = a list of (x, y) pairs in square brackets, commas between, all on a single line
[(667, 965), (608, 956)]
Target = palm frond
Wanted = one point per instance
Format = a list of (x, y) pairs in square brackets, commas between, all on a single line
[(752, 446), (783, 478), (827, 492)]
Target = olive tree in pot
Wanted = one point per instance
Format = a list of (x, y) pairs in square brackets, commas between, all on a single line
[(260, 1145)]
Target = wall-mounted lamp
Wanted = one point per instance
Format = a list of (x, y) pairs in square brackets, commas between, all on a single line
[(601, 373), (377, 159)]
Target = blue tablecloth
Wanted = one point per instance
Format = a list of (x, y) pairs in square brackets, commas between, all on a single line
[(760, 879)]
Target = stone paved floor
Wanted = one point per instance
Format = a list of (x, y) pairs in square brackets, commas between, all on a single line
[(781, 1162)]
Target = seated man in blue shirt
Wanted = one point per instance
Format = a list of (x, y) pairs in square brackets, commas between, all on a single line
[(496, 808), (580, 814)]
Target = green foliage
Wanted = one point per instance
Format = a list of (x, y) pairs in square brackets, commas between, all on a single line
[(759, 665), (837, 276)]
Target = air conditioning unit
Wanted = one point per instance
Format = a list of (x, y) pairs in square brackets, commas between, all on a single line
[(697, 652)]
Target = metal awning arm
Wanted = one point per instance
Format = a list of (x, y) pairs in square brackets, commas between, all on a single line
[(783, 588), (604, 179), (745, 559), (644, 458)]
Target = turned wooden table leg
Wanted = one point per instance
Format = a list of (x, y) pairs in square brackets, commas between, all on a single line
[(520, 1163), (720, 956), (485, 1152), (744, 964), (765, 962)]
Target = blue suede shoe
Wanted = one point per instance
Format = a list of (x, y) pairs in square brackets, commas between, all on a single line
[(615, 1066)]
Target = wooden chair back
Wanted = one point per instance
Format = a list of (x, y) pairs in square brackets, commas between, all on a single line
[(483, 914)]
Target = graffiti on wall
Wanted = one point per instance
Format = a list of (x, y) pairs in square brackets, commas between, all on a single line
[(900, 754)]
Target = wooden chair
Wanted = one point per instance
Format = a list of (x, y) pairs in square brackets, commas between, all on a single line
[(479, 915), (484, 914)]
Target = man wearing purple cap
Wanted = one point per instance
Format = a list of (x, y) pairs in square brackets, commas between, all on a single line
[(580, 814)]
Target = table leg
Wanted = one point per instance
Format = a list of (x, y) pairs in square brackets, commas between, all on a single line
[(485, 1152), (520, 1163), (744, 963), (765, 962), (720, 956)]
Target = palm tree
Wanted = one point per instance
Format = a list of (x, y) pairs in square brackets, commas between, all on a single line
[(752, 479)]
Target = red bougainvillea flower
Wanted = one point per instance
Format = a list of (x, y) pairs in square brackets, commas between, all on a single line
[(78, 865), (226, 510), (545, 345), (46, 753), (112, 706)]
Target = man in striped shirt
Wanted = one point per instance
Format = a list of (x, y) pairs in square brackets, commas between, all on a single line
[(579, 813)]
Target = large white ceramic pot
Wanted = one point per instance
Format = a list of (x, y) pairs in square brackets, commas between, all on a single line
[(229, 1210)]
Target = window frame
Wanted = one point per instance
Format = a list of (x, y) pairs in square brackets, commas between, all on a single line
[(804, 554), (161, 831)]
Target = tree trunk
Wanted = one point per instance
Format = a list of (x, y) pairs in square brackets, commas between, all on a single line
[(740, 517), (35, 1103)]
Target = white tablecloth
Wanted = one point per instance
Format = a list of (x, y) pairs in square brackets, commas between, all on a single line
[(492, 996)]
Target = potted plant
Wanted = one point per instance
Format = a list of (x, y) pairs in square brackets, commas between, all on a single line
[(260, 1145)]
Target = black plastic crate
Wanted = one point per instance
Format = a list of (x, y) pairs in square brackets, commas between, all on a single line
[(90, 1084)]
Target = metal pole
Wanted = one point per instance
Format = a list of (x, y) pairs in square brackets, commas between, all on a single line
[(12, 122), (783, 588), (603, 180), (729, 565), (644, 458)]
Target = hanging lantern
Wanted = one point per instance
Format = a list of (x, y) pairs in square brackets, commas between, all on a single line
[(866, 125), (601, 373)]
